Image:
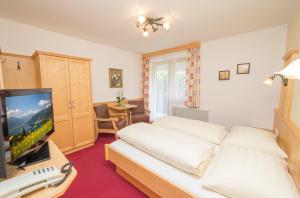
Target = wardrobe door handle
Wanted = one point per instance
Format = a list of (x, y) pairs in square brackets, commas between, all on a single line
[(70, 104)]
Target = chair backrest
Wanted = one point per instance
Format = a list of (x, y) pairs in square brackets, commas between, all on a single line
[(140, 106), (101, 111)]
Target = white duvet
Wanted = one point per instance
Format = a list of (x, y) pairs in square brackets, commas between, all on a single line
[(205, 130), (181, 150)]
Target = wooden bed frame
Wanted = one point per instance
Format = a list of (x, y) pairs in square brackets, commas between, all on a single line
[(142, 178), (155, 186), (288, 133)]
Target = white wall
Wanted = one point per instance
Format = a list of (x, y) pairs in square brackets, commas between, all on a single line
[(244, 99), (23, 39)]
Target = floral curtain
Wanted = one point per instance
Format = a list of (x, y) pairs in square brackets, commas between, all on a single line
[(193, 78), (145, 81)]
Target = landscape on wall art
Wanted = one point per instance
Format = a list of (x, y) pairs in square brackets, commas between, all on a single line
[(27, 124)]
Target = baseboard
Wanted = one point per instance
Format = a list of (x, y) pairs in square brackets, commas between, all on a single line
[(78, 148)]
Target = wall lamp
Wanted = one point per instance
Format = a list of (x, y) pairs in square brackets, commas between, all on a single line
[(269, 81), (292, 71)]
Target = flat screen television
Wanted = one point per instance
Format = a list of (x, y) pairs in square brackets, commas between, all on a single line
[(27, 122)]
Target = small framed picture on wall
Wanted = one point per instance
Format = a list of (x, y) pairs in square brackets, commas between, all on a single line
[(115, 78), (224, 75), (243, 68)]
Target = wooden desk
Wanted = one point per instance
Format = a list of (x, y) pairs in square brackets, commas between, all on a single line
[(57, 159)]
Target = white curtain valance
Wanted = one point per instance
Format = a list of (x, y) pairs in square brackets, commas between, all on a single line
[(169, 61)]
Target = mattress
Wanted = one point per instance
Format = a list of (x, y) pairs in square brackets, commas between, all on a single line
[(186, 181)]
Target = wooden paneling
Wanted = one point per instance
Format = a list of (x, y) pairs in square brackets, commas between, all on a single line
[(55, 75), (288, 133), (22, 77), (82, 111), (289, 140), (289, 54), (286, 94)]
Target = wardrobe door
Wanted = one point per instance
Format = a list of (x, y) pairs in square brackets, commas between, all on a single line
[(81, 97), (55, 75)]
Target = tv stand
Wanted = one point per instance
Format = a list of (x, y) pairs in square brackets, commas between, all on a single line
[(39, 155)]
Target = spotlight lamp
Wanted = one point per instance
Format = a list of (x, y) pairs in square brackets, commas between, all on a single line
[(292, 71), (269, 81)]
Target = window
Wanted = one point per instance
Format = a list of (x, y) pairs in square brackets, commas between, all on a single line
[(167, 85)]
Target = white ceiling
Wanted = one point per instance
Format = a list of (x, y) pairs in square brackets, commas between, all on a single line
[(113, 22)]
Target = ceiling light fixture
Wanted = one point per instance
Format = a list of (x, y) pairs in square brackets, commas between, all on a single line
[(145, 33), (166, 25), (148, 24), (141, 19)]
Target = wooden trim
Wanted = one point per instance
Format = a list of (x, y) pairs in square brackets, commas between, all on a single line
[(136, 183), (36, 53), (1, 76), (288, 132), (289, 54), (289, 140), (79, 148), (171, 50), (106, 153), (286, 95), (142, 178), (14, 55)]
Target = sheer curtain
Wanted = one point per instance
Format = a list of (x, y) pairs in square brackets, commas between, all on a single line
[(167, 85)]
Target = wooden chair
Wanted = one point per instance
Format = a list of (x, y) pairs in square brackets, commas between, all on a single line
[(139, 114), (104, 123)]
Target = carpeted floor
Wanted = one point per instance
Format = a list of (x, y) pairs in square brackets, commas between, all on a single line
[(96, 177)]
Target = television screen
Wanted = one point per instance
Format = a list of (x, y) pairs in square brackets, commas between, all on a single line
[(29, 120)]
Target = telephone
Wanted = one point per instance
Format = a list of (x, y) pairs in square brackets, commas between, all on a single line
[(24, 184)]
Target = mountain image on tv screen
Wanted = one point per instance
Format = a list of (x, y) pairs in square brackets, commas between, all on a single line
[(29, 119)]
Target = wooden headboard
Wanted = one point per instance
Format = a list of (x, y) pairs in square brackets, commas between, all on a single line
[(289, 140), (288, 133)]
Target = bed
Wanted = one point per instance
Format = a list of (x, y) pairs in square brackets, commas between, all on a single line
[(158, 179), (185, 182)]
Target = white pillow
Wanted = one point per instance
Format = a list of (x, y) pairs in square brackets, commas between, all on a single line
[(254, 138), (205, 130), (245, 173)]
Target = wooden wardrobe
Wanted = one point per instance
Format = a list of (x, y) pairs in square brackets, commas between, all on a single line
[(69, 78)]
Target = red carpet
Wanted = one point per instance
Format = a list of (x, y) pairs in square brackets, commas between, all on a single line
[(97, 177)]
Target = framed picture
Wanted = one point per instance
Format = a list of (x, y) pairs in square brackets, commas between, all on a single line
[(243, 68), (224, 75), (115, 78)]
